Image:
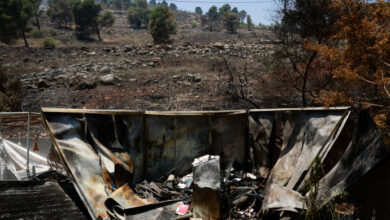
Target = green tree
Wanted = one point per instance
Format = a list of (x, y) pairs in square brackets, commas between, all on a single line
[(212, 14), (164, 3), (60, 12), (105, 20), (14, 17), (249, 22), (118, 5), (198, 10), (141, 3), (231, 21), (225, 8), (137, 16), (173, 7), (152, 3), (162, 24), (235, 10), (242, 15), (86, 15)]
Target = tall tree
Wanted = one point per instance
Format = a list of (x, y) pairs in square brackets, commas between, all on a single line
[(249, 22), (302, 21), (231, 21), (60, 12), (14, 18), (198, 10), (225, 8), (152, 3), (137, 16), (86, 14), (141, 3), (164, 3), (37, 12), (235, 10), (211, 16), (162, 25), (173, 7), (105, 20), (242, 15)]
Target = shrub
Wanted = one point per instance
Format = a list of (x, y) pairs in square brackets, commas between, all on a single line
[(9, 92), (49, 43), (36, 34), (193, 25), (162, 25)]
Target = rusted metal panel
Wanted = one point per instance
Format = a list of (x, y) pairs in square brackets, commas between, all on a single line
[(105, 151)]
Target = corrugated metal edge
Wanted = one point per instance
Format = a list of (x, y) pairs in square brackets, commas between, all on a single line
[(75, 183), (176, 113)]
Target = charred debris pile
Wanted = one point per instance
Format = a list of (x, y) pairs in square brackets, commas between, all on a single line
[(266, 164)]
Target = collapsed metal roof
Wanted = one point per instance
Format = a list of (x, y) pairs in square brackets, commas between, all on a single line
[(107, 151)]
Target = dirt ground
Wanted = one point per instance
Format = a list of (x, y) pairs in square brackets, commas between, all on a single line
[(201, 70)]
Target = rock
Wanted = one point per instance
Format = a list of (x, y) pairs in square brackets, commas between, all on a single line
[(105, 69), (109, 79), (156, 60), (218, 45), (193, 77), (86, 84), (43, 84), (143, 52), (129, 48)]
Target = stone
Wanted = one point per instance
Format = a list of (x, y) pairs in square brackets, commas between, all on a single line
[(86, 84), (156, 60), (129, 48), (109, 79), (218, 45), (105, 69), (193, 77)]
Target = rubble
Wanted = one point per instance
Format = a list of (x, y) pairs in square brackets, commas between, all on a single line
[(169, 175)]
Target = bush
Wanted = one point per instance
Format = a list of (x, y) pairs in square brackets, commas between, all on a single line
[(49, 43), (36, 34), (193, 25), (162, 25), (9, 93), (137, 16)]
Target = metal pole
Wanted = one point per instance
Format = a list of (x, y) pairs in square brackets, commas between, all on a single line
[(28, 146)]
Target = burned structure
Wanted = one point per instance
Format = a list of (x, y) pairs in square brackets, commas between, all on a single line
[(263, 157)]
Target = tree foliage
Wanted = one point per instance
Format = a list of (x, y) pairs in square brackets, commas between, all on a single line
[(105, 20), (231, 21), (198, 10), (359, 51), (242, 15), (225, 8), (14, 18), (212, 14), (141, 4), (302, 21), (86, 14), (152, 3), (137, 16), (249, 22), (162, 25), (173, 7), (60, 12)]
